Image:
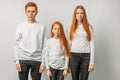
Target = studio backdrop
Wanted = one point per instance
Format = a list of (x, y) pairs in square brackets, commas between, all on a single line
[(103, 15)]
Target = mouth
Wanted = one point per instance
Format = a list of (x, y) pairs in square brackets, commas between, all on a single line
[(80, 18), (31, 17)]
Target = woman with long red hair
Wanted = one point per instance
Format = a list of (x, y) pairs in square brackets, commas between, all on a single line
[(81, 42), (57, 53)]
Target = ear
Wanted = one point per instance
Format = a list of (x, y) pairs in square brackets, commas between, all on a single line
[(25, 11), (52, 30), (36, 12)]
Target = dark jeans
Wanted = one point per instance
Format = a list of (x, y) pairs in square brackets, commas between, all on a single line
[(56, 74), (79, 63), (26, 65)]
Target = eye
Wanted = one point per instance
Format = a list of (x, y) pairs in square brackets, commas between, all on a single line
[(82, 13), (54, 28), (77, 12), (28, 11), (33, 11)]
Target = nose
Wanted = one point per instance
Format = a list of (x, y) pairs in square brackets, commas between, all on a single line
[(31, 13), (57, 30)]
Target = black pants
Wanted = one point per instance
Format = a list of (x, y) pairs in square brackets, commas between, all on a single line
[(56, 74), (26, 65), (79, 63)]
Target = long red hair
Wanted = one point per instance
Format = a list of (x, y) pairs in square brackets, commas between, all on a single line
[(74, 24), (62, 38)]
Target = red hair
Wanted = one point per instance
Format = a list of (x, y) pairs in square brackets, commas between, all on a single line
[(74, 24), (30, 4), (62, 38)]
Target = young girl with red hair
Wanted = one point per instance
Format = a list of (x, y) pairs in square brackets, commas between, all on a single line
[(57, 53)]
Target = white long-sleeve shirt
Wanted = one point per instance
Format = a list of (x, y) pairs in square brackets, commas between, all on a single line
[(30, 38), (54, 55), (80, 44)]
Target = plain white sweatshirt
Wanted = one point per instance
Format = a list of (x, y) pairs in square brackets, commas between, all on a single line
[(30, 38), (54, 55), (80, 44)]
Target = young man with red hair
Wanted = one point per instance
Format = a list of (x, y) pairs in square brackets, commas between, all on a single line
[(30, 38)]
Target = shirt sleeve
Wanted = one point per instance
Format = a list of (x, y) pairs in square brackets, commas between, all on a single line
[(66, 59), (43, 45), (92, 46), (44, 36), (16, 46), (66, 62), (46, 51)]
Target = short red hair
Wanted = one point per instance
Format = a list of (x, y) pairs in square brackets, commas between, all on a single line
[(31, 4)]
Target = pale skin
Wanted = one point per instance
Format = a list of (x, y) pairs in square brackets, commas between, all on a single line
[(56, 32), (79, 18), (31, 13)]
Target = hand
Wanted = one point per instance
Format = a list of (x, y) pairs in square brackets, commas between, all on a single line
[(18, 67), (65, 72), (91, 68), (49, 73), (41, 69), (69, 70)]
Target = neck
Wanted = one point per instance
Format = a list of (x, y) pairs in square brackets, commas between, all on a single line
[(79, 22), (56, 37), (31, 21)]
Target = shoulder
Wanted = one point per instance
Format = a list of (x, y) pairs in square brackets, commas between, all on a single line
[(20, 26), (49, 41), (90, 27), (68, 29), (39, 24)]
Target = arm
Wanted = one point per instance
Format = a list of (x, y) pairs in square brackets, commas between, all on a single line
[(45, 52), (91, 64), (92, 46), (66, 62), (44, 41), (16, 46), (44, 38), (17, 49), (65, 72)]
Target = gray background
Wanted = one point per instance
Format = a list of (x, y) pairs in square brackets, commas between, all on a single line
[(104, 15)]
